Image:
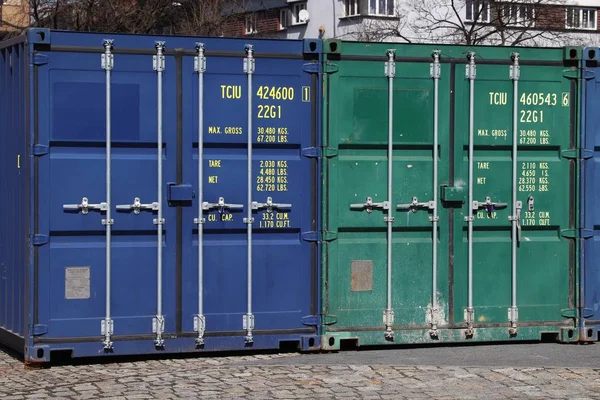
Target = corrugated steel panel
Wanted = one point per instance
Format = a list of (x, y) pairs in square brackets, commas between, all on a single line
[(370, 301), (14, 173), (589, 305), (71, 303)]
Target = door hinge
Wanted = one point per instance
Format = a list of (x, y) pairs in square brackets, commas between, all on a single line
[(570, 154), (329, 152), (311, 236), (328, 236), (311, 320), (40, 150), (587, 154), (569, 313), (39, 59), (39, 330), (311, 68), (39, 240), (571, 73), (587, 313), (588, 75), (311, 152), (330, 68)]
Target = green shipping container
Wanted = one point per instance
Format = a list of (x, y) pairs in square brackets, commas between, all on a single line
[(506, 257)]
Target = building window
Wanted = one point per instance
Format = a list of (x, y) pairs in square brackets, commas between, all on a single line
[(251, 24), (518, 14), (351, 7), (477, 10), (381, 7), (283, 18), (296, 8), (581, 18)]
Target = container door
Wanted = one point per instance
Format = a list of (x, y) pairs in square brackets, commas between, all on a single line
[(247, 293), (590, 196), (400, 263), (79, 207), (358, 200), (540, 285)]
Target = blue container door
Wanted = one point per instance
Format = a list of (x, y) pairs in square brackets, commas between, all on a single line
[(590, 197), (71, 268), (284, 265)]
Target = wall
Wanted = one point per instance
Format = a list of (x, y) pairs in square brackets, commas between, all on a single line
[(15, 12)]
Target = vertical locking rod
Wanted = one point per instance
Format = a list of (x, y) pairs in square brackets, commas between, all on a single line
[(390, 71), (107, 326), (470, 312), (248, 321), (200, 319), (158, 325), (435, 74), (513, 312)]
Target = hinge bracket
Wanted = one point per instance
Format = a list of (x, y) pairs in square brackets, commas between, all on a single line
[(571, 73), (40, 150), (311, 152), (328, 236), (588, 74), (569, 313), (39, 330), (311, 236), (311, 68), (330, 68), (570, 154), (587, 154), (311, 320), (39, 240), (39, 59)]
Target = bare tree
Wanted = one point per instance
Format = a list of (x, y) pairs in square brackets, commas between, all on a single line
[(181, 17), (503, 23)]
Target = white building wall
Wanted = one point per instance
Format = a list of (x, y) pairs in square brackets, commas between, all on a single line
[(327, 20)]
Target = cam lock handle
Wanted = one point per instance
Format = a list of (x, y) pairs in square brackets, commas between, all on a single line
[(488, 205), (369, 205), (220, 205), (137, 206), (414, 206), (269, 205), (85, 206)]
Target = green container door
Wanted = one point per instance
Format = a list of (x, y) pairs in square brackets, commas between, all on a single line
[(369, 302)]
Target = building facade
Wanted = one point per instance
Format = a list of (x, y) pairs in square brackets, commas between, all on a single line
[(14, 14), (499, 22)]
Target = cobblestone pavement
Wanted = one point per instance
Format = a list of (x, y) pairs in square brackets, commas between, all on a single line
[(262, 377)]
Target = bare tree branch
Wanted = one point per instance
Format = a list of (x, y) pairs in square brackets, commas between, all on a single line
[(504, 23)]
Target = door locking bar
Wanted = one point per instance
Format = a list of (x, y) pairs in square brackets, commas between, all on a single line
[(158, 322), (248, 318), (513, 311), (200, 319), (469, 312), (137, 206)]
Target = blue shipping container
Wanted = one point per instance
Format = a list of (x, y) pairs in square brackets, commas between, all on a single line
[(589, 279), (81, 268)]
